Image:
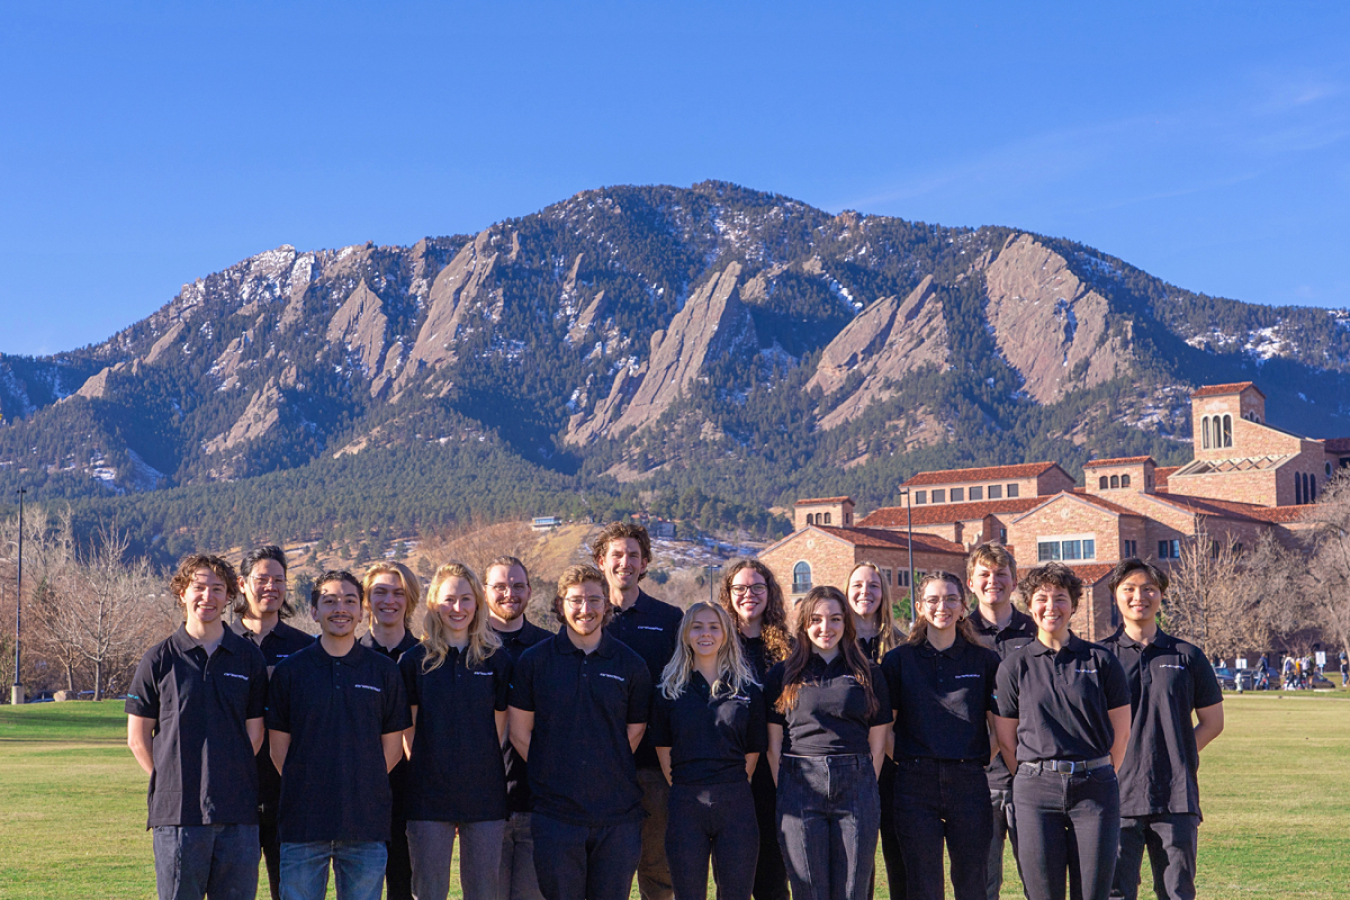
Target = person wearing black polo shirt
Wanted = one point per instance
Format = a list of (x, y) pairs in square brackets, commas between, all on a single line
[(1170, 681), (941, 684), (336, 714), (259, 611), (457, 680), (508, 597), (203, 688), (709, 729), (991, 576), (1063, 723), (579, 704), (869, 605), (753, 597), (622, 551), (829, 713), (391, 592)]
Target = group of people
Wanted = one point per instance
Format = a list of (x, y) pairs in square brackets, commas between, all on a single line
[(778, 745)]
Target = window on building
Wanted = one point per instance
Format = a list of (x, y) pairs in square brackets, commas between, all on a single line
[(1115, 481), (1047, 551), (996, 491), (977, 493), (1124, 481), (848, 518), (1101, 483), (1070, 549), (886, 576), (1214, 549), (1227, 431), (920, 497), (1012, 491), (1312, 488), (902, 578), (939, 496), (801, 578), (1169, 549), (827, 518), (958, 495), (1298, 488), (1204, 433), (1003, 535), (810, 519)]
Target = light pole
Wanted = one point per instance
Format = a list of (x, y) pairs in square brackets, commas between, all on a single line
[(711, 583), (909, 543), (16, 693)]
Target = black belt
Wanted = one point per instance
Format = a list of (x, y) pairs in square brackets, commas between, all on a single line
[(1068, 766)]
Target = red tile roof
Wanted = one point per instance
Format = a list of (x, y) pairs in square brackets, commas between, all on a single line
[(1337, 445), (1160, 476), (891, 540), (1207, 506), (812, 500), (987, 473), (943, 513), (1219, 390), (1281, 514), (1091, 573), (1122, 461), (1114, 507)]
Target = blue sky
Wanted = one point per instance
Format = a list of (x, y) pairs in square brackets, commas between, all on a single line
[(146, 145)]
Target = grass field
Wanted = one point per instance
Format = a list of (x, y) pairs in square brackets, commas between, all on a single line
[(1275, 786)]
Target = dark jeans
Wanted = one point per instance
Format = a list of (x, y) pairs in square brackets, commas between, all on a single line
[(430, 846), (1067, 823), (770, 871), (271, 848), (194, 861), (358, 868), (1172, 841), (1003, 827), (890, 843), (516, 879), (829, 813), (716, 820), (937, 800), (576, 861), (398, 868), (653, 871)]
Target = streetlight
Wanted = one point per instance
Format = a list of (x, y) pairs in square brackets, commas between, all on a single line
[(909, 515), (710, 570), (16, 692)]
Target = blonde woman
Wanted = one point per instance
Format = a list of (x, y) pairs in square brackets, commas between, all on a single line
[(708, 726), (457, 680)]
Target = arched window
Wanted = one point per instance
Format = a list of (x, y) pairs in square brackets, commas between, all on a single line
[(1115, 481), (1298, 488), (827, 518), (1227, 431), (801, 578), (1312, 488), (1124, 481), (810, 519), (1101, 483), (1204, 432)]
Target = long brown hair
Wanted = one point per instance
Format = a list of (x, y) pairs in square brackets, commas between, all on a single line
[(964, 627), (773, 627), (795, 667)]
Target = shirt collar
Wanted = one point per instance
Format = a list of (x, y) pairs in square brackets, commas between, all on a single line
[(1074, 646), (1162, 640), (183, 642), (562, 644), (353, 659), (955, 651)]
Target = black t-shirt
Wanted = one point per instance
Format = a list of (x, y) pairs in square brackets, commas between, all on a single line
[(276, 645), (830, 716), (581, 768), (942, 699), (205, 772), (334, 786), (1169, 679), (651, 629), (1019, 632), (1060, 699), (517, 773), (456, 773), (709, 736)]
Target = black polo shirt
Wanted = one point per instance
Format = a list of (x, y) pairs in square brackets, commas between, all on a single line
[(1019, 632), (276, 645), (205, 773), (942, 698), (756, 656), (581, 769), (651, 628), (456, 773), (517, 773), (1060, 699), (1169, 679), (830, 716), (398, 776), (336, 708), (709, 736)]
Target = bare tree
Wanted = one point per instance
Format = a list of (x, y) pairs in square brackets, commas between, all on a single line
[(1327, 576), (1217, 595)]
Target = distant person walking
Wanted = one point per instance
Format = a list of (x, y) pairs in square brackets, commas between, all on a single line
[(1345, 669)]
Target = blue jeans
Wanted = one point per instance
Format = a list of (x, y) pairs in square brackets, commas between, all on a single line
[(194, 861), (358, 866), (1067, 824), (829, 815)]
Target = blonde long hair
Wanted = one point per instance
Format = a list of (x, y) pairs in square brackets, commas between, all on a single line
[(733, 672), (412, 588), (890, 633), (483, 641)]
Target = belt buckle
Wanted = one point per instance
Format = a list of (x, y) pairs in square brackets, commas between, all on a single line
[(1063, 766)]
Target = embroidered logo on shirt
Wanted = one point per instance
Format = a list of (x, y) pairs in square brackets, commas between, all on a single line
[(650, 628), (481, 673), (971, 675), (369, 687), (1086, 671), (607, 675), (1169, 666), (235, 675)]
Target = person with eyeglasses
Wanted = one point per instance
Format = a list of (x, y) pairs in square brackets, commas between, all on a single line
[(508, 597), (752, 596), (259, 612), (941, 683), (577, 710), (1063, 726)]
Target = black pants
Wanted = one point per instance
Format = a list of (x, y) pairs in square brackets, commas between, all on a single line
[(716, 820), (398, 868), (1067, 823), (890, 844), (271, 847), (939, 800), (1172, 840), (578, 861), (1003, 828), (829, 813), (770, 871)]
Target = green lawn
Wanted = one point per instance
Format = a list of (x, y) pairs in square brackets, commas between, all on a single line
[(1276, 791)]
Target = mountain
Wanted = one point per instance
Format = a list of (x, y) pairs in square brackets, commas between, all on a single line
[(712, 348)]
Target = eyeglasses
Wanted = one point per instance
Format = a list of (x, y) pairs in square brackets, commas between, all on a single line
[(740, 590), (266, 580), (941, 601), (587, 602)]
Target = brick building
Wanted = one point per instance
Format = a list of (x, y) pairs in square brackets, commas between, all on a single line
[(1246, 478)]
